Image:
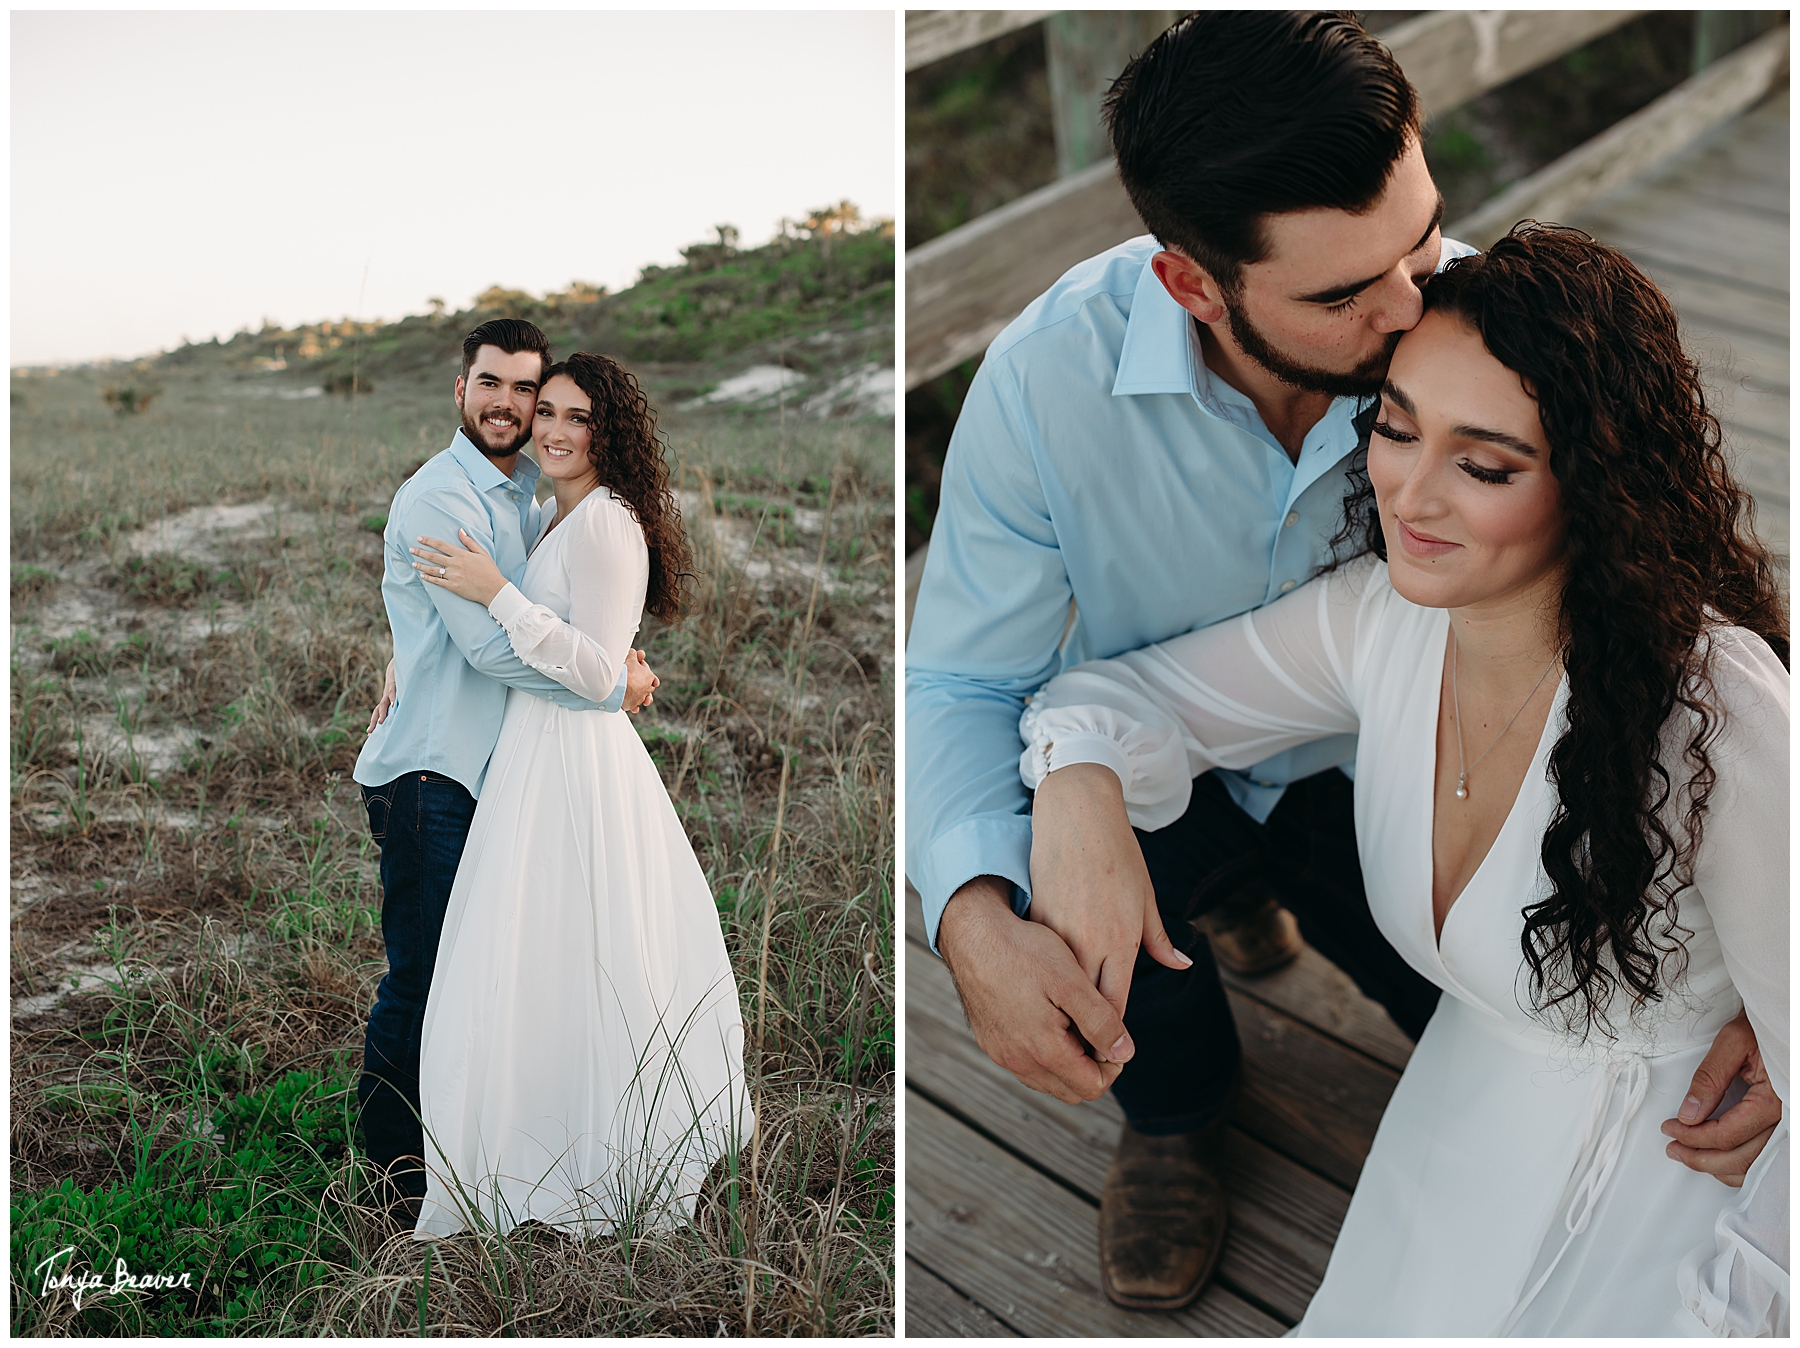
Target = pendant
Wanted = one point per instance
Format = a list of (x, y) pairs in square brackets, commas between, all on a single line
[(1462, 788)]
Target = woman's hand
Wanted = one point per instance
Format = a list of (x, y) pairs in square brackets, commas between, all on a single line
[(467, 571), (390, 694)]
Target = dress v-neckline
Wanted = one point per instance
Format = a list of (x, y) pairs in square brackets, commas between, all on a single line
[(545, 531), (1512, 810)]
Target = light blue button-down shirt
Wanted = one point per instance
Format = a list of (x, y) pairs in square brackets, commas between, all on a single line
[(452, 661), (1096, 460)]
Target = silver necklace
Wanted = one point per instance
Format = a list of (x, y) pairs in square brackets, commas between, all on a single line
[(1462, 779)]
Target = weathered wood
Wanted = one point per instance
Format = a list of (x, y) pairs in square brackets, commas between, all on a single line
[(1721, 306), (1677, 244), (933, 34), (963, 287), (1634, 144), (1306, 1096), (936, 1310), (1316, 992), (1283, 1218), (1085, 50), (1025, 1247), (1740, 190), (1717, 32), (1452, 56), (1311, 1098), (915, 571)]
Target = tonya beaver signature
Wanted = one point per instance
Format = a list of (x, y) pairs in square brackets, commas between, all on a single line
[(123, 1279)]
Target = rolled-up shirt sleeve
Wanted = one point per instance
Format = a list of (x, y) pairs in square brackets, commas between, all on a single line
[(1227, 696)]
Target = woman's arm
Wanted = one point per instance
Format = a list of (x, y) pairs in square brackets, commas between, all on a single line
[(609, 567), (1229, 695), (1117, 743), (1737, 1283)]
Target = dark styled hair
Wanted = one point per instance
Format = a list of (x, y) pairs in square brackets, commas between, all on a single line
[(511, 335), (1232, 116), (1659, 549), (629, 457)]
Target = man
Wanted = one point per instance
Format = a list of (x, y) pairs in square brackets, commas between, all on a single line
[(1160, 442), (422, 767)]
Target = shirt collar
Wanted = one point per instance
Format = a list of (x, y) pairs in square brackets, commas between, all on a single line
[(484, 474), (1154, 358), (1161, 355)]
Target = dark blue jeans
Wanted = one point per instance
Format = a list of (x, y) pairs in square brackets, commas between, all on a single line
[(420, 821), (1187, 1045)]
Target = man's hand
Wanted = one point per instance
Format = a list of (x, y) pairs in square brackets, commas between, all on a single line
[(1032, 1008), (1726, 1146), (1088, 880), (640, 683), (390, 694)]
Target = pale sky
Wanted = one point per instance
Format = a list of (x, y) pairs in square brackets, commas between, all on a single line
[(190, 174)]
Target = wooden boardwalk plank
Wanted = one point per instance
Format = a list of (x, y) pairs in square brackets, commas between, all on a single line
[(936, 1310), (1315, 991), (1711, 228), (1284, 1218), (1024, 1247), (1682, 243)]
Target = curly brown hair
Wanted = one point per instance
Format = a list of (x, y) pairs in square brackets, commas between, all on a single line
[(628, 455), (1660, 549)]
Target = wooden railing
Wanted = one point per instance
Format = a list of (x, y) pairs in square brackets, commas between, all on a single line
[(963, 287)]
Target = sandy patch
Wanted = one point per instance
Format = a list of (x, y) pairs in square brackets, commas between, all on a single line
[(865, 392), (753, 385), (195, 533)]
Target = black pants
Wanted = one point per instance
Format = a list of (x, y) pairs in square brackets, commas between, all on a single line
[(1187, 1045), (421, 822)]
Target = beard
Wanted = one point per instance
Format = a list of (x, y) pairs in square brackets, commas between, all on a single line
[(1361, 382), (478, 436)]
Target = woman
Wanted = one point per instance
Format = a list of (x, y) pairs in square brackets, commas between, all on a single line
[(1566, 670), (582, 1054)]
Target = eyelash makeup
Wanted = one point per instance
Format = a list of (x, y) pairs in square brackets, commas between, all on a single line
[(1498, 477)]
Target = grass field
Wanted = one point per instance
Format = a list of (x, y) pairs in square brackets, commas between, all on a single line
[(198, 636)]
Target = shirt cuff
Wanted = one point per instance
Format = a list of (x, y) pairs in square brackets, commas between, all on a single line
[(996, 845), (615, 700), (1082, 747), (508, 606)]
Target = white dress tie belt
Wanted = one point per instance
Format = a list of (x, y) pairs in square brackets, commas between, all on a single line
[(1632, 1072)]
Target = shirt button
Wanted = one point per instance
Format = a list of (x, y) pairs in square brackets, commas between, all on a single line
[(1287, 585), (1293, 518)]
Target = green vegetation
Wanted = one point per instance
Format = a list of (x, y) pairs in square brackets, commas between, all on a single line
[(830, 270), (197, 941)]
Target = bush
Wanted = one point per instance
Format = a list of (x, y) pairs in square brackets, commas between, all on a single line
[(241, 1217), (169, 580), (127, 400)]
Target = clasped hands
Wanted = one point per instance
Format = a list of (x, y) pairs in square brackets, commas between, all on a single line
[(1046, 998)]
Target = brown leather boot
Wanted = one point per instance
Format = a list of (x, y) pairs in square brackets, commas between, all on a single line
[(1162, 1219), (1251, 933)]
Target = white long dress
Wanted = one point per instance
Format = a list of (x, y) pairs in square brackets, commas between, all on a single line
[(582, 1054), (1518, 1183)]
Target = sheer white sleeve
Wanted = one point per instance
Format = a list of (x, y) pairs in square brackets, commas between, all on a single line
[(609, 570), (1229, 695), (1737, 1283)]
